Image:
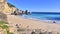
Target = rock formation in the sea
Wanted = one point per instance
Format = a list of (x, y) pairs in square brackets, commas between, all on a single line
[(27, 13)]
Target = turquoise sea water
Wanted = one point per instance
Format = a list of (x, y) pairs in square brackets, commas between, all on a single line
[(44, 15)]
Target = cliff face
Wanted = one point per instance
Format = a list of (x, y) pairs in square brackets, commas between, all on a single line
[(6, 7), (9, 9)]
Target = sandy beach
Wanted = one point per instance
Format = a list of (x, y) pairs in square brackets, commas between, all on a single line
[(33, 24)]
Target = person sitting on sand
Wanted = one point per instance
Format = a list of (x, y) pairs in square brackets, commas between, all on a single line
[(33, 32), (17, 26)]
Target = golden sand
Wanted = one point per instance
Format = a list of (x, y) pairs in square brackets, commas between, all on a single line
[(33, 24)]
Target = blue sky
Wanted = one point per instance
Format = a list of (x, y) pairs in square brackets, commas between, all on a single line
[(37, 5)]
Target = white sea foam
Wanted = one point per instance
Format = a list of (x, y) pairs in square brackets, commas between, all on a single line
[(31, 18)]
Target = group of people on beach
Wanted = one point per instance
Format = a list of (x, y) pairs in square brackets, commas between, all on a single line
[(18, 28), (33, 32)]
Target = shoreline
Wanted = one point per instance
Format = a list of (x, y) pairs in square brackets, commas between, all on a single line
[(45, 20), (33, 24)]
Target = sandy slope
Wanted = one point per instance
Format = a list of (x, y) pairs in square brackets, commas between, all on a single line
[(33, 24)]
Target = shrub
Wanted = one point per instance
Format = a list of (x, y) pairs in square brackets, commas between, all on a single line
[(9, 32), (3, 22), (41, 33), (4, 27)]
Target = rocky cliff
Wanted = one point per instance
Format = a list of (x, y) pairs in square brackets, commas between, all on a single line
[(6, 7)]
